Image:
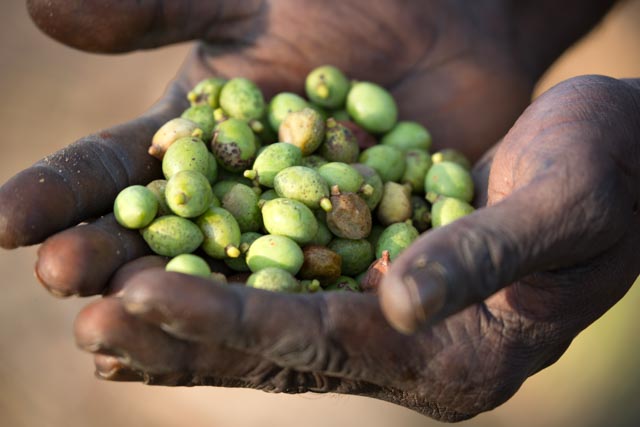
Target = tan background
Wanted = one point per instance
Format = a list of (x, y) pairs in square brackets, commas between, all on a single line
[(52, 95)]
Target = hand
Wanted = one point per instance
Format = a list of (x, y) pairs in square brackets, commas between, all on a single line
[(490, 299)]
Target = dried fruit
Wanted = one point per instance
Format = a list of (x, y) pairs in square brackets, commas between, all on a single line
[(350, 216), (376, 272), (320, 263)]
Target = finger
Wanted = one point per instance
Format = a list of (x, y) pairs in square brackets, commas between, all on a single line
[(82, 180), (337, 335), (112, 369), (120, 26), (130, 269)]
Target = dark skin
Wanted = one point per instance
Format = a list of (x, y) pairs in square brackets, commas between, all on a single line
[(467, 313)]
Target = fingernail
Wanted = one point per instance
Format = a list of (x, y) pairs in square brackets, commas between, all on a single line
[(427, 289)]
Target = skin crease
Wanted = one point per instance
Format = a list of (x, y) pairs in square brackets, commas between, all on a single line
[(495, 297)]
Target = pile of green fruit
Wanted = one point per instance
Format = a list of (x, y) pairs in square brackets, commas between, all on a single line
[(305, 194)]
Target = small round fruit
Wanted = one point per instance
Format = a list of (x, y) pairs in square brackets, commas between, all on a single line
[(157, 187), (343, 175), (189, 264), (395, 205), (241, 99), (340, 144), (135, 207), (240, 263), (396, 238), (418, 163), (242, 202), (275, 251), (207, 92), (451, 155), (171, 235), (447, 209), (169, 133), (327, 86), (188, 153), (304, 185), (320, 263), (305, 129), (372, 107), (271, 160), (201, 115), (372, 179), (449, 179), (408, 135), (350, 217), (221, 233), (234, 145), (288, 217), (356, 255), (188, 194), (274, 279), (283, 104), (388, 161)]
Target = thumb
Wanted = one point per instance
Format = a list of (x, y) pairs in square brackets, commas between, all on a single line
[(453, 267), (110, 26)]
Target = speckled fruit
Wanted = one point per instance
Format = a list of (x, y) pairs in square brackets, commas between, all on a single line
[(169, 133), (201, 115), (343, 175), (207, 92), (189, 264), (275, 251), (408, 135), (372, 107), (327, 86), (396, 238), (287, 217), (305, 129), (447, 209), (340, 145), (372, 179), (449, 179), (304, 185), (350, 217), (271, 160), (234, 145), (241, 99), (356, 255), (313, 161), (283, 104), (212, 169), (451, 155), (135, 207), (221, 233), (274, 279), (188, 194), (188, 153), (171, 235), (242, 202)]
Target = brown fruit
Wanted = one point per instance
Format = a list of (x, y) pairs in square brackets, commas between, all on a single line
[(350, 217), (320, 263), (377, 270)]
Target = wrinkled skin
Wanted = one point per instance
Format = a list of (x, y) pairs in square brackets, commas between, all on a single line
[(468, 312)]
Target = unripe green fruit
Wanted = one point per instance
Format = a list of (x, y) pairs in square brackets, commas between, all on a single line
[(201, 115), (271, 160), (242, 202), (327, 86), (158, 187), (421, 213), (356, 255), (304, 185), (212, 170), (374, 236), (135, 207), (169, 133), (447, 209), (287, 217), (189, 264), (234, 145), (320, 110), (241, 99), (395, 205), (207, 92), (172, 235), (408, 135), (221, 233), (343, 175), (451, 155), (388, 161), (275, 251), (340, 115), (449, 179), (268, 195), (283, 104), (340, 145), (188, 194), (305, 129), (186, 154), (345, 284), (396, 238), (323, 236), (240, 263), (274, 279), (418, 162), (372, 107), (372, 179)]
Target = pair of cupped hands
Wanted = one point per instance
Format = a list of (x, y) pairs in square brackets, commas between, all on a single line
[(467, 313)]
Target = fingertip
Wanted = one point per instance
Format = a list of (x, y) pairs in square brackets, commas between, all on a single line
[(93, 321), (125, 274)]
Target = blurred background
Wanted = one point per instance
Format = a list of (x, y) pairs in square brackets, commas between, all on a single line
[(52, 95)]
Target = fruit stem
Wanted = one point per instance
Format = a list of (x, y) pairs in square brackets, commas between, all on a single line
[(431, 197), (322, 90), (366, 189), (335, 190), (251, 174), (325, 204), (232, 251), (256, 126)]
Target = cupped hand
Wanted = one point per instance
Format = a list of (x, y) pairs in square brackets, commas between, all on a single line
[(488, 300)]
